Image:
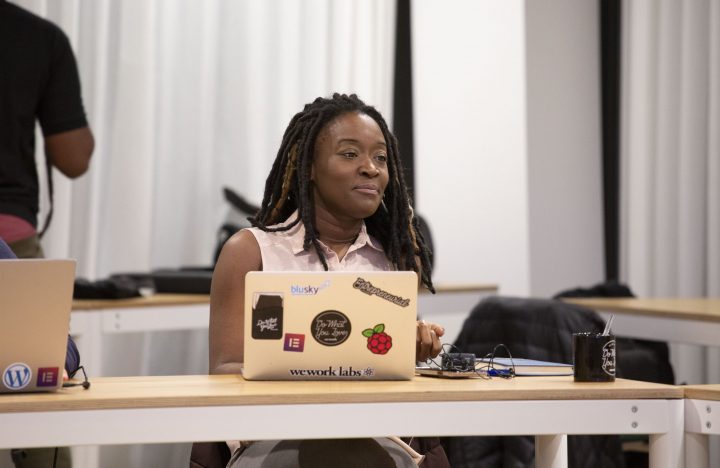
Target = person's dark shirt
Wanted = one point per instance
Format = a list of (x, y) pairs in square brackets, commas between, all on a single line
[(38, 80), (72, 356)]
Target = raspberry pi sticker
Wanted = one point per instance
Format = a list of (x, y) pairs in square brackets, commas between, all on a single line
[(330, 328), (378, 342)]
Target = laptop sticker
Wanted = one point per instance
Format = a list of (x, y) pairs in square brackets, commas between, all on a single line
[(378, 342), (368, 288), (267, 316), (330, 328), (308, 290), (331, 371), (294, 342), (48, 376), (17, 376)]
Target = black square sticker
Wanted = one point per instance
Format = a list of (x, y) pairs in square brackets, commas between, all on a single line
[(267, 316)]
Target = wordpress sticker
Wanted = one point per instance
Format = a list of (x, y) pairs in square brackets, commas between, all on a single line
[(17, 376)]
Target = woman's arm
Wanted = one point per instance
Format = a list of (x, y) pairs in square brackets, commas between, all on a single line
[(239, 255), (427, 340), (428, 344)]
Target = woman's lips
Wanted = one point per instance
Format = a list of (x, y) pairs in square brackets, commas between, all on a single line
[(369, 189)]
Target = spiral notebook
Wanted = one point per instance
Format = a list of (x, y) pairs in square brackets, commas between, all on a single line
[(330, 325)]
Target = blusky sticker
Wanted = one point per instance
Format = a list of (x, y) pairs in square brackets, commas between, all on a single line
[(17, 376), (330, 328), (308, 290), (48, 376), (294, 342)]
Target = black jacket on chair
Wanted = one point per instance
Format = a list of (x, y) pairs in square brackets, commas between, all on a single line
[(645, 360), (537, 329)]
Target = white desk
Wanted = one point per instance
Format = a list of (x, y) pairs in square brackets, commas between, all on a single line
[(702, 419), (692, 321), (208, 408), (92, 319)]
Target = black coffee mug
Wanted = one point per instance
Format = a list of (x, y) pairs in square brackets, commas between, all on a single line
[(594, 357)]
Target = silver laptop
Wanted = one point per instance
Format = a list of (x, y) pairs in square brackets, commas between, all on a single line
[(330, 325), (35, 303)]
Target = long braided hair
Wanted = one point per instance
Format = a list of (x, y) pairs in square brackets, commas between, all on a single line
[(289, 188)]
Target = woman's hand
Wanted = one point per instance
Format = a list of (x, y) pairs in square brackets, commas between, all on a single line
[(427, 344)]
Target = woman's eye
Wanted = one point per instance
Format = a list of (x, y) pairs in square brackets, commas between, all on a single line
[(349, 154), (381, 157)]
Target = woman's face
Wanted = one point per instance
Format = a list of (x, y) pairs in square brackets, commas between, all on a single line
[(350, 166)]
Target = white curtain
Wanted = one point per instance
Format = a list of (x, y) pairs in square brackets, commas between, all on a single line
[(670, 162), (185, 97), (670, 152)]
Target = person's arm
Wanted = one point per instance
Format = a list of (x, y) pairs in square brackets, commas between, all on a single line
[(70, 151), (427, 339), (428, 344), (239, 255)]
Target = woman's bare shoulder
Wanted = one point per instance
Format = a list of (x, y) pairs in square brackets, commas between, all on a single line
[(241, 252)]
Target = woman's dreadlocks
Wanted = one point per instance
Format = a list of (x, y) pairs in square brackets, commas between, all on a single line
[(288, 188)]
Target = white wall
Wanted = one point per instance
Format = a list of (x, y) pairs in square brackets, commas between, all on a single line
[(470, 144), (508, 141), (564, 145)]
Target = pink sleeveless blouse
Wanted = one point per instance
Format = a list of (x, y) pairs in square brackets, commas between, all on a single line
[(283, 251)]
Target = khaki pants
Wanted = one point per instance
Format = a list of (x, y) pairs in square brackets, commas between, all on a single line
[(27, 248)]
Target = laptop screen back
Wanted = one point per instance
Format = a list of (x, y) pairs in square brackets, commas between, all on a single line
[(35, 304), (330, 325)]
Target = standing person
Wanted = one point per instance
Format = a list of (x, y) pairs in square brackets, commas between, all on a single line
[(335, 199), (38, 81)]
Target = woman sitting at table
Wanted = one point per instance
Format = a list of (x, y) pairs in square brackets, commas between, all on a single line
[(336, 188)]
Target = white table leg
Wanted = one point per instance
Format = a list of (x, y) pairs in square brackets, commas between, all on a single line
[(668, 450), (86, 328), (697, 450), (85, 456), (551, 451)]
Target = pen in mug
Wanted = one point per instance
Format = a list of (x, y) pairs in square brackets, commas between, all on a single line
[(607, 325)]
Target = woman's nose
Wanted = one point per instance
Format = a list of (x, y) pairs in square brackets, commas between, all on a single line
[(369, 168)]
